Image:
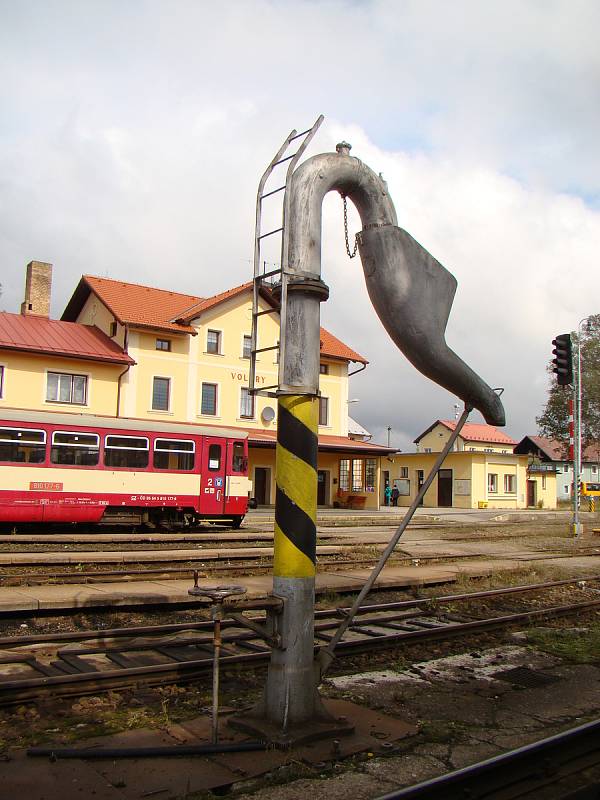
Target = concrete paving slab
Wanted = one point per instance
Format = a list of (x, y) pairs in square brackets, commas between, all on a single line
[(17, 600), (146, 556), (68, 596), (406, 576), (40, 779)]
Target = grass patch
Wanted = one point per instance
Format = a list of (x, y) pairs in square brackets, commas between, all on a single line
[(580, 647)]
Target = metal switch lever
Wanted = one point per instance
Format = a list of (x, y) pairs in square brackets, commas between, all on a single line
[(217, 594)]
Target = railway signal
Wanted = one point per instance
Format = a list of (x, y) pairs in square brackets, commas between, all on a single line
[(562, 363)]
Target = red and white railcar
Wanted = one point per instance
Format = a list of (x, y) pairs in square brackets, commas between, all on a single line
[(59, 468)]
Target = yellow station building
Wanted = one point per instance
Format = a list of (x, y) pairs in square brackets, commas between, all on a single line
[(481, 471), (126, 350)]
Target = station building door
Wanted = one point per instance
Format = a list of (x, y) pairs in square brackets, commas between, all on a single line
[(323, 487), (445, 488), (262, 485)]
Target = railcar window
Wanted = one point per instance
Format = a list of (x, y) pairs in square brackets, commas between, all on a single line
[(214, 457), (22, 445), (130, 452), (239, 462), (175, 454), (81, 449)]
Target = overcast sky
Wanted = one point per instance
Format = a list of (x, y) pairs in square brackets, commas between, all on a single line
[(133, 135)]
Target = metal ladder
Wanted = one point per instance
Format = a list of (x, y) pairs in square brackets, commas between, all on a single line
[(260, 278)]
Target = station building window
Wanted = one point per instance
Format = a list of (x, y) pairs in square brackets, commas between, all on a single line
[(247, 347), (246, 404), (492, 482), (213, 342), (358, 474), (65, 388), (344, 474), (323, 411), (324, 369), (163, 344), (1, 381), (370, 474), (510, 484), (208, 404), (161, 390)]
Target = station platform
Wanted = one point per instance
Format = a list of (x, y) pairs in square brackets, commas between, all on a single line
[(62, 598)]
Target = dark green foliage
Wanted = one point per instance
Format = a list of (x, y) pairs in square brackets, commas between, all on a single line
[(554, 421)]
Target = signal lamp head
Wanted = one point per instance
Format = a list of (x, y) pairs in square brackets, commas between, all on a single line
[(562, 363)]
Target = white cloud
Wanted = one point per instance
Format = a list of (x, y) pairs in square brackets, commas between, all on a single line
[(135, 134)]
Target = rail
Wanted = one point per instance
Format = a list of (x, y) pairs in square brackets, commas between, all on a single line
[(522, 773)]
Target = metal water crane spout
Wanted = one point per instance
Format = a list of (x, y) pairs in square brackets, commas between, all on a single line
[(411, 291), (412, 294)]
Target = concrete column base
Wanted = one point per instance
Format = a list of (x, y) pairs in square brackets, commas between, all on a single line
[(318, 728)]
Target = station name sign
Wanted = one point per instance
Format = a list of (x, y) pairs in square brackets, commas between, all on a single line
[(243, 376)]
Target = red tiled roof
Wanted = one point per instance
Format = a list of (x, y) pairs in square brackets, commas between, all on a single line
[(476, 432), (34, 334), (473, 432), (134, 304), (189, 314), (326, 442), (144, 306), (331, 346)]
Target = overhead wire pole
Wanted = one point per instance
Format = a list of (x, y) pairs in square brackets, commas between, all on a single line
[(577, 469)]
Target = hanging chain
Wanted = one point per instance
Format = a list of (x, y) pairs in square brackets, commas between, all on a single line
[(353, 253)]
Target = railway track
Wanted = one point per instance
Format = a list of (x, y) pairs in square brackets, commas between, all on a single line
[(81, 662), (567, 765), (126, 575)]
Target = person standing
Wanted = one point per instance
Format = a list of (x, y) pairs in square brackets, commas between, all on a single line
[(387, 494), (395, 495)]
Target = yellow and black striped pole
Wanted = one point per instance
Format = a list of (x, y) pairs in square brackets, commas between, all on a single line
[(291, 695), (296, 478)]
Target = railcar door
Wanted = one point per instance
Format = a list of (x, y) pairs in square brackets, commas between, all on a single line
[(212, 479)]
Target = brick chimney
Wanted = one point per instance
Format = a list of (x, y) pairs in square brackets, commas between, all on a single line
[(38, 287)]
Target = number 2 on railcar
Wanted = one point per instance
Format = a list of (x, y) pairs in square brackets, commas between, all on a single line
[(66, 468)]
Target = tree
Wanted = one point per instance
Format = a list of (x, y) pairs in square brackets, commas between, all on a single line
[(554, 421)]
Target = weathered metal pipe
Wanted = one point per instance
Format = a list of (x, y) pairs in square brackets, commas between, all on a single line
[(411, 292), (160, 751)]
